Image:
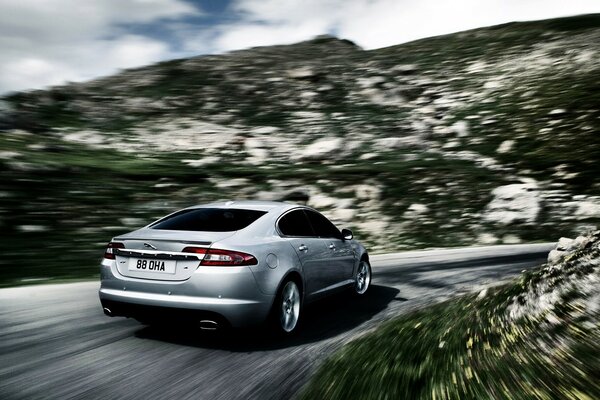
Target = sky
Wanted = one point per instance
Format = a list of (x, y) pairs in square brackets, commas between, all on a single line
[(50, 42)]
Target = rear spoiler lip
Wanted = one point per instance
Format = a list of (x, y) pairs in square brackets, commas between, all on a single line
[(161, 255), (201, 243)]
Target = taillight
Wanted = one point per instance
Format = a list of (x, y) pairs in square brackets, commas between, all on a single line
[(109, 253), (222, 258)]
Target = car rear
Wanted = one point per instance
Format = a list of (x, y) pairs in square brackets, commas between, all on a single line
[(175, 269)]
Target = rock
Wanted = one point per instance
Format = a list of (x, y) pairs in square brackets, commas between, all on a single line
[(164, 185), (511, 239), (368, 156), (202, 161), (255, 148), (564, 244), (91, 138), (32, 228), (397, 142), (322, 149), (344, 214), (265, 130), (383, 97), (482, 294), (367, 192), (588, 209), (370, 82), (320, 201), (405, 69), (580, 242), (555, 256), (557, 111), (301, 73), (8, 155), (487, 238), (418, 208), (493, 84), (552, 319), (514, 203), (373, 227), (231, 183), (451, 144), (505, 147), (131, 221), (461, 128)]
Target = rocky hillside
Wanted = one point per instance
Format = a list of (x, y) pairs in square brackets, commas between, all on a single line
[(485, 136)]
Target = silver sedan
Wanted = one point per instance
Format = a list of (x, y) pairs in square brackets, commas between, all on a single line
[(233, 263)]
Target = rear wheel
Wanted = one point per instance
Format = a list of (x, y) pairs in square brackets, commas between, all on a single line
[(287, 307), (363, 277)]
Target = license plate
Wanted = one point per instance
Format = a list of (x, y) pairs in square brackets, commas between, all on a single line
[(148, 265)]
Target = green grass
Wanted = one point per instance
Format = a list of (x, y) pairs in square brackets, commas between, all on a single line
[(80, 195), (467, 348)]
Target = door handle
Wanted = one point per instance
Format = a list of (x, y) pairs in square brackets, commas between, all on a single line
[(302, 248), (332, 246)]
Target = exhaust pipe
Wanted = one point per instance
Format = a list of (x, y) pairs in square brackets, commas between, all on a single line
[(208, 325), (107, 311)]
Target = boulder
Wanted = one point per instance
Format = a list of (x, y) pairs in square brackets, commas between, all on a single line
[(367, 192), (343, 214), (487, 238), (320, 201), (505, 146), (322, 149), (461, 128), (514, 203), (564, 244)]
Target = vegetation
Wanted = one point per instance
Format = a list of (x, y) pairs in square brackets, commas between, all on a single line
[(471, 348)]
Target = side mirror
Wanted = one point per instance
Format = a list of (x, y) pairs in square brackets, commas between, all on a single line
[(347, 234)]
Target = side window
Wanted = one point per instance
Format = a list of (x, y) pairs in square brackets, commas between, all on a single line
[(295, 223), (322, 226)]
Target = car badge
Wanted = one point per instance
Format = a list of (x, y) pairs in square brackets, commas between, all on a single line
[(148, 245)]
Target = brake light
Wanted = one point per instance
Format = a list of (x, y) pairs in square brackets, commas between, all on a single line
[(109, 253), (222, 258)]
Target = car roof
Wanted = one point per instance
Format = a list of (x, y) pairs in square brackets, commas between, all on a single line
[(260, 205)]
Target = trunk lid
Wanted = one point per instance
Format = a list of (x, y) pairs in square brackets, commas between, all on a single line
[(157, 254)]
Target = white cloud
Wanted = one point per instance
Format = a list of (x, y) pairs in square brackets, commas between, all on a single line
[(86, 60), (25, 72), (378, 23), (47, 42), (59, 20)]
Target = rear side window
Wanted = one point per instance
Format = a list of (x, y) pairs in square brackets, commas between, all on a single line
[(209, 220), (295, 223), (322, 226)]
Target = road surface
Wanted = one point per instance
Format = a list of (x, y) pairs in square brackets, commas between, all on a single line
[(55, 342)]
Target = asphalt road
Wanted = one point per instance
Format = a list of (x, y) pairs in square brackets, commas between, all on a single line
[(55, 342)]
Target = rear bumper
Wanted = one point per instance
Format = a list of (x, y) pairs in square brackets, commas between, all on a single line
[(227, 292)]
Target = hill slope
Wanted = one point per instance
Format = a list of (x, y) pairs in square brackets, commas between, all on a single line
[(484, 136)]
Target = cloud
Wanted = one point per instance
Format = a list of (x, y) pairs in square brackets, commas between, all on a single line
[(376, 23), (52, 41), (380, 23), (45, 42)]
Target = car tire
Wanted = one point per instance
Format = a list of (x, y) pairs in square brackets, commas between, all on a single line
[(287, 308), (362, 281)]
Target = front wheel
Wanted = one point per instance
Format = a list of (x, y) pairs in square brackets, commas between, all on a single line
[(287, 307), (363, 277)]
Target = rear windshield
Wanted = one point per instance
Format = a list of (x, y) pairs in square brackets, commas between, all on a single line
[(209, 220)]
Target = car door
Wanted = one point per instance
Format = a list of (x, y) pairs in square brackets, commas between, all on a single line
[(295, 227), (340, 258)]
